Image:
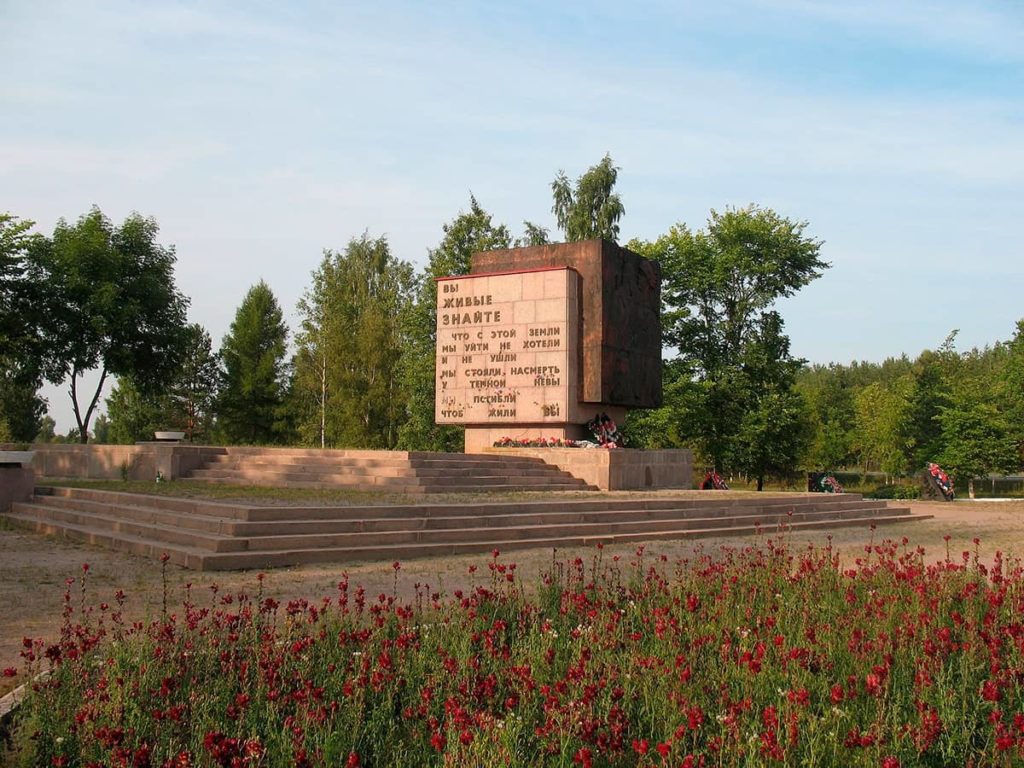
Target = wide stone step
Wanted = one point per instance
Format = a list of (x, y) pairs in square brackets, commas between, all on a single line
[(359, 520), (141, 514), (394, 485), (324, 469), (121, 498), (117, 526), (285, 477), (202, 534), (385, 552), (426, 534), (187, 557)]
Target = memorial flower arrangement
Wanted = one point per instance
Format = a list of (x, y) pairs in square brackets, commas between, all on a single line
[(605, 432), (764, 655), (713, 482), (535, 442), (829, 484), (941, 479)]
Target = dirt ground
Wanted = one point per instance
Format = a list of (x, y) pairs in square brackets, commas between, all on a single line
[(33, 568)]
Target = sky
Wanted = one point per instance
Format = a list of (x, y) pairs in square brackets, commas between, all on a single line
[(258, 134)]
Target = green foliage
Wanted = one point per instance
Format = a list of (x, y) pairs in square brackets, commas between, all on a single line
[(895, 491), (533, 234), (730, 392), (111, 304), (719, 281), (975, 434), (192, 394), (933, 372), (1010, 386), (589, 208), (21, 348), (21, 407), (19, 292), (47, 430), (828, 395), (882, 416), (132, 415), (185, 402), (101, 429), (347, 363), (468, 233), (253, 353)]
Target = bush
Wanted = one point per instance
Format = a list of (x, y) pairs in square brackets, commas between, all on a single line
[(895, 491)]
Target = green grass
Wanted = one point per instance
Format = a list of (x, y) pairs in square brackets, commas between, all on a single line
[(261, 494)]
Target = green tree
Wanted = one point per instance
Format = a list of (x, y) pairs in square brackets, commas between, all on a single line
[(254, 372), (533, 234), (829, 395), (774, 426), (470, 232), (975, 434), (731, 394), (133, 415), (192, 394), (882, 433), (933, 373), (113, 306), (21, 348), (17, 294), (350, 344), (1011, 386), (47, 430), (588, 208), (185, 401), (21, 407), (101, 429)]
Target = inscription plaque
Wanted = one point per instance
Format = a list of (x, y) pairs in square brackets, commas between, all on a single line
[(507, 347)]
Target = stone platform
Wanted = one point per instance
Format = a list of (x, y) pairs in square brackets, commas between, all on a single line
[(207, 535), (616, 469), (490, 469)]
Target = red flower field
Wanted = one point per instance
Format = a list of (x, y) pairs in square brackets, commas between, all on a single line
[(759, 656)]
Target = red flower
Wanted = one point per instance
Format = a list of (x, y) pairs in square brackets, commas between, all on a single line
[(990, 690)]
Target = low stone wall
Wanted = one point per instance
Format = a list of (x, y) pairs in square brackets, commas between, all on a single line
[(17, 483), (115, 462), (616, 469)]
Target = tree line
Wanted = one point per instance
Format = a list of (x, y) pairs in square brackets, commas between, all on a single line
[(358, 371)]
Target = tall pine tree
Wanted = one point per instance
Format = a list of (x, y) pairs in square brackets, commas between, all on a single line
[(255, 371)]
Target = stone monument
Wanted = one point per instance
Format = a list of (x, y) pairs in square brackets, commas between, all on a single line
[(536, 341)]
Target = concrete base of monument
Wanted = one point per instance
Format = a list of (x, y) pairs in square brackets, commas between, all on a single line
[(480, 437), (616, 469)]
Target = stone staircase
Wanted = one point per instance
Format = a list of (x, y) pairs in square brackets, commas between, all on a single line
[(207, 535), (392, 471)]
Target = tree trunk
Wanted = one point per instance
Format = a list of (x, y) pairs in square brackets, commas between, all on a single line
[(323, 403), (83, 423), (760, 482), (970, 488)]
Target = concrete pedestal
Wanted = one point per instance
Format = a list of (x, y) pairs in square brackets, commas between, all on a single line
[(17, 483)]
